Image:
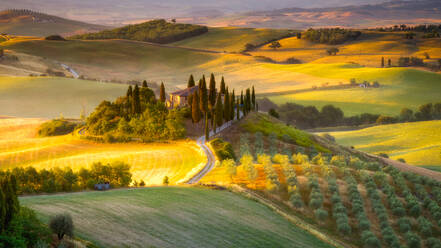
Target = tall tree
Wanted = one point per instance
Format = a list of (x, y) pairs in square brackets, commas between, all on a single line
[(222, 85), (248, 100), (144, 84), (195, 110), (232, 105), (253, 99), (237, 109), (382, 62), (136, 103), (162, 93), (191, 82), (212, 91), (226, 106), (207, 129), (129, 95), (389, 62), (219, 111), (203, 97)]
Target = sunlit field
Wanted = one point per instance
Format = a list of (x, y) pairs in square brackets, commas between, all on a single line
[(419, 143), (149, 162), (173, 217)]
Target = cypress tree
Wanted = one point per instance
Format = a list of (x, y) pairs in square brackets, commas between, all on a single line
[(253, 98), (382, 62), (222, 86), (136, 103), (237, 109), (212, 91), (226, 106), (162, 93), (219, 111), (232, 105), (195, 111), (248, 100), (203, 97), (389, 62), (241, 98), (129, 95), (207, 129), (191, 82), (144, 84)]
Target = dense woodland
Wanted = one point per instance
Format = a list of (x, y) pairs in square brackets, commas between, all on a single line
[(157, 31), (137, 115), (332, 36), (330, 116)]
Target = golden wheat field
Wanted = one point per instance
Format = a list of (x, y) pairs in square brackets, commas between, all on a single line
[(149, 162)]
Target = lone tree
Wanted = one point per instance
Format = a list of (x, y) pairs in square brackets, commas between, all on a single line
[(165, 181), (275, 44), (389, 62), (162, 93), (253, 98), (144, 84), (191, 82), (61, 225), (382, 62), (333, 51), (222, 86)]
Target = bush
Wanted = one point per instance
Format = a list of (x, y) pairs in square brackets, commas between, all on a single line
[(224, 150), (413, 240), (296, 200), (433, 243), (55, 37), (56, 127), (61, 225), (321, 215), (274, 113)]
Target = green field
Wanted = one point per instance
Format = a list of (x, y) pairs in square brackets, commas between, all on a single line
[(48, 97), (172, 217), (419, 143), (400, 87), (231, 39)]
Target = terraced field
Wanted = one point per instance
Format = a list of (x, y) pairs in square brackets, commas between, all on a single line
[(419, 143), (149, 162), (173, 217)]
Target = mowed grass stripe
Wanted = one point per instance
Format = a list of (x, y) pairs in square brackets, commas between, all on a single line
[(173, 217)]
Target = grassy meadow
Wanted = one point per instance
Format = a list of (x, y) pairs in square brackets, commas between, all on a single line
[(419, 143), (48, 97), (231, 39), (19, 147), (173, 217)]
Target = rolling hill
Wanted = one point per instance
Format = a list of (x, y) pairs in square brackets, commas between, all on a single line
[(19, 147), (417, 142), (32, 23), (173, 217)]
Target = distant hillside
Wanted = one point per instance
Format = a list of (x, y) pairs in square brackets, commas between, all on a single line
[(157, 31), (32, 23), (371, 15)]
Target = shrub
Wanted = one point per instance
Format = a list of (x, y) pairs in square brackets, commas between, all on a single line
[(433, 243), (55, 37), (344, 229), (321, 215), (274, 113), (296, 200), (413, 240), (224, 150), (56, 127), (61, 225)]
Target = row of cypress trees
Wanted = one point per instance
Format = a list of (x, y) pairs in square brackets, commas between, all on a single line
[(216, 108)]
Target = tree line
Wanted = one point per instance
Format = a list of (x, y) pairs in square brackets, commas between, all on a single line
[(139, 115), (30, 181), (216, 107), (332, 36), (331, 116), (157, 31)]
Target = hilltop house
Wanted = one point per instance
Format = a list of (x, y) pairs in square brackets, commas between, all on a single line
[(180, 98)]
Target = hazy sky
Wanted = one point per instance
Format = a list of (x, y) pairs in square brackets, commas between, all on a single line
[(114, 11)]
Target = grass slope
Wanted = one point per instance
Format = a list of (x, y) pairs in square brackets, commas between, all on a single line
[(419, 143), (149, 162), (173, 217), (47, 97), (231, 39)]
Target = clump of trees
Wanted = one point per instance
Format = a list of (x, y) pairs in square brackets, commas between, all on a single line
[(55, 37), (30, 181), (410, 61), (19, 226), (272, 179), (158, 31), (332, 36), (224, 150), (56, 127), (137, 115)]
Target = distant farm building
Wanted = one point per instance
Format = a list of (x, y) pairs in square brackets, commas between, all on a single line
[(180, 98), (102, 186)]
